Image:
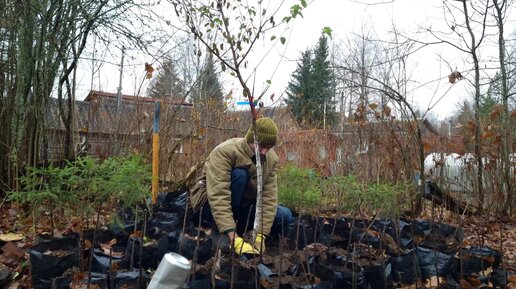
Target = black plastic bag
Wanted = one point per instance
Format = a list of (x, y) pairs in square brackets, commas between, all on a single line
[(410, 235), (106, 236), (385, 226), (50, 258), (101, 262), (305, 230), (439, 236), (379, 276), (167, 221), (172, 201), (345, 276), (434, 263), (322, 285), (499, 278), (5, 273), (405, 268), (476, 259), (130, 279), (361, 236), (101, 280), (152, 252), (219, 284), (186, 244), (334, 232)]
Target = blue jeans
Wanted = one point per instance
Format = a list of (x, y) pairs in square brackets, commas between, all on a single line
[(244, 215)]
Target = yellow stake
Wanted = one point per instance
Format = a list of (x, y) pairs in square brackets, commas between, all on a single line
[(155, 167)]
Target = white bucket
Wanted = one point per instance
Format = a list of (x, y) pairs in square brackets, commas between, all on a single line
[(172, 272)]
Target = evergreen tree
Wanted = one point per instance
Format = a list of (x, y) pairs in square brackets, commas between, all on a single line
[(310, 92), (298, 91), (166, 83), (323, 84), (209, 90)]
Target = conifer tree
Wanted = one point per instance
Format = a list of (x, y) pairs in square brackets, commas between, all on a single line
[(298, 91), (209, 90), (310, 91), (166, 83), (323, 84)]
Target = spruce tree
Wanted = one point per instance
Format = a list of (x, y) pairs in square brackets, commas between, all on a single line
[(208, 89), (166, 83), (298, 91), (310, 91), (323, 84)]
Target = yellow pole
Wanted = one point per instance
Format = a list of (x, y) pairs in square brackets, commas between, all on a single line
[(155, 166), (155, 154)]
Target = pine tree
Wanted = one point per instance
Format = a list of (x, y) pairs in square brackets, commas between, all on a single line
[(166, 83), (310, 92)]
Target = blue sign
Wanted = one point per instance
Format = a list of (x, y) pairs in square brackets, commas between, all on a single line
[(245, 103)]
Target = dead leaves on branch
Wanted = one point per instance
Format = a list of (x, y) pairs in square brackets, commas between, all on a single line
[(148, 70), (379, 112), (454, 76)]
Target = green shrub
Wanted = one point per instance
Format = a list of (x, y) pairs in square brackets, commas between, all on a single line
[(298, 188), (304, 190), (345, 192), (131, 180), (43, 187), (82, 186)]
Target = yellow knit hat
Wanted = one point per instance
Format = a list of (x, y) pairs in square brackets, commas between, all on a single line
[(267, 132)]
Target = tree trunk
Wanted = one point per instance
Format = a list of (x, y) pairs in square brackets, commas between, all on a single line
[(478, 135), (24, 72), (506, 132)]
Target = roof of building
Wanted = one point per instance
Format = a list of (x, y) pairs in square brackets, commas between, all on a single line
[(94, 94)]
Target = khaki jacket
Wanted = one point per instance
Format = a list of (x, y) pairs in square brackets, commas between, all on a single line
[(213, 184)]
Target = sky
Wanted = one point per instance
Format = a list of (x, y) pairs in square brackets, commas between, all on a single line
[(277, 62)]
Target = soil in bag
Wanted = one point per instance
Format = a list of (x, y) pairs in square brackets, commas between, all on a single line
[(50, 258)]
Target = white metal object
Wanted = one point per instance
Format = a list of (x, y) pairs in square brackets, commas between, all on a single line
[(172, 272)]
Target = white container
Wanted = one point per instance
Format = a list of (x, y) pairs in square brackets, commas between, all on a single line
[(172, 272)]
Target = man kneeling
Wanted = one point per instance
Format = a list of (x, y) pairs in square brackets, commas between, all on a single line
[(225, 192)]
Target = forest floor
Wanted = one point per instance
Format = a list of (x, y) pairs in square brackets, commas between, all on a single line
[(17, 236)]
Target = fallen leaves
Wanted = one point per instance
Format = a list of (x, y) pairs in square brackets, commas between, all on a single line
[(12, 256), (434, 282), (11, 237)]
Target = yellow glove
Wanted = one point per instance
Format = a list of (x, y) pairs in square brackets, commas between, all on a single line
[(242, 247), (259, 243)]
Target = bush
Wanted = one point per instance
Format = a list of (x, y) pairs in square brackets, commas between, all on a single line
[(304, 190), (298, 188), (80, 187)]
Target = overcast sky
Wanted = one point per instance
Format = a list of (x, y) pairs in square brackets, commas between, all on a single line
[(345, 18)]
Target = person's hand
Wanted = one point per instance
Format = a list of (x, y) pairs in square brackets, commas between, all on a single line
[(259, 243), (242, 247)]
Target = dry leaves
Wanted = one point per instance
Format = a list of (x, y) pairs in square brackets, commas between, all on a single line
[(11, 237), (107, 248)]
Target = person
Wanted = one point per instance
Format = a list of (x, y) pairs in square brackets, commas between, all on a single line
[(225, 192)]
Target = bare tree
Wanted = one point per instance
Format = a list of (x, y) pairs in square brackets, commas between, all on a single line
[(379, 78), (500, 14), (468, 22)]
